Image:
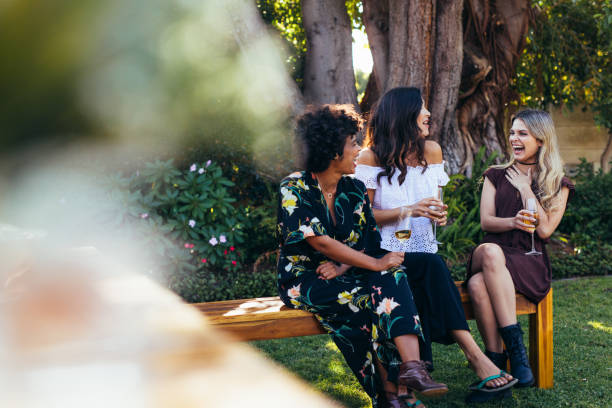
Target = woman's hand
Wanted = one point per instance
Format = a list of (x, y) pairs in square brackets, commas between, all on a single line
[(518, 222), (329, 270), (389, 260), (519, 180), (422, 209)]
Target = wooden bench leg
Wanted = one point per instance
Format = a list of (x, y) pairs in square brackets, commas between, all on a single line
[(541, 342)]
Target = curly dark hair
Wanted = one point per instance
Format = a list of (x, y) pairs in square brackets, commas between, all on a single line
[(393, 133), (321, 133)]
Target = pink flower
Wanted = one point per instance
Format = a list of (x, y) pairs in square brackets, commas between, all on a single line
[(234, 263), (203, 260), (208, 163), (187, 245), (222, 239), (144, 216), (213, 241), (232, 248), (193, 167), (225, 252)]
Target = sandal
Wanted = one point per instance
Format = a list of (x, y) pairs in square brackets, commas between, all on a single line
[(481, 386), (393, 401), (479, 396)]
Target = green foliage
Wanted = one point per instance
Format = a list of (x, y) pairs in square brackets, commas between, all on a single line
[(203, 238), (590, 211), (581, 255), (286, 17), (463, 232), (567, 57)]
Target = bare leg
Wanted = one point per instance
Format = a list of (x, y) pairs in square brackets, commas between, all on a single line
[(482, 366), (498, 282), (485, 316), (408, 347)]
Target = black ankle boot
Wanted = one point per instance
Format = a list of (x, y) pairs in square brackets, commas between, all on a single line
[(513, 338), (499, 359)]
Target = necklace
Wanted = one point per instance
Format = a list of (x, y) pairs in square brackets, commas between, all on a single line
[(527, 164), (326, 194)]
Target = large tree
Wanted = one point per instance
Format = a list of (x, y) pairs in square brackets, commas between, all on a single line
[(462, 54)]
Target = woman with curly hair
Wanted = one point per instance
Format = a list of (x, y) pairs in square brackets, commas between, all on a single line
[(500, 265), (402, 172), (331, 265)]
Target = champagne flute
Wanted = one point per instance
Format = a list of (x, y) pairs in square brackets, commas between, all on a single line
[(434, 240), (533, 210)]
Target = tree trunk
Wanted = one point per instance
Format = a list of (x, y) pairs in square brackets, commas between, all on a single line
[(422, 43), (495, 36), (328, 70)]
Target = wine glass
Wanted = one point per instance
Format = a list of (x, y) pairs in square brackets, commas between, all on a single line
[(440, 193), (403, 235), (533, 210)]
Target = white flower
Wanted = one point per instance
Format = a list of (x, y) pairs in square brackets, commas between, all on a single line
[(386, 306), (222, 239), (347, 297), (208, 163), (193, 167), (306, 231), (213, 241), (294, 291), (201, 171), (192, 223), (289, 201), (144, 216)]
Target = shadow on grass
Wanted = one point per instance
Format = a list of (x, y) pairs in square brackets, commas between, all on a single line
[(582, 357)]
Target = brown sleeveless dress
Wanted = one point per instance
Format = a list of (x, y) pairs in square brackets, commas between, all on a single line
[(531, 274)]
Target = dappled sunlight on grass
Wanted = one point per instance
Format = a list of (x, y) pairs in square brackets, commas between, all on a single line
[(600, 326), (331, 346)]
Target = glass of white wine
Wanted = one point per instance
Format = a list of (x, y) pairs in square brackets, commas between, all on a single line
[(434, 239), (533, 210)]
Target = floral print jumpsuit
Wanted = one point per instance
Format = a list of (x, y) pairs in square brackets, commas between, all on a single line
[(362, 310)]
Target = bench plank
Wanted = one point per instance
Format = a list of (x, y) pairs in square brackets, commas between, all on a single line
[(268, 318), (264, 318)]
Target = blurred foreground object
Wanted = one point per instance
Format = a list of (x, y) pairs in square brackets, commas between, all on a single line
[(78, 331)]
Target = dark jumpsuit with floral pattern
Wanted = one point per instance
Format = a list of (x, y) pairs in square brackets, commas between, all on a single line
[(362, 310)]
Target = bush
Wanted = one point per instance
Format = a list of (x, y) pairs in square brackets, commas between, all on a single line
[(205, 240), (579, 256), (590, 211)]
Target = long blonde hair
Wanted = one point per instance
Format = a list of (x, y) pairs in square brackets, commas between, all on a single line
[(549, 171)]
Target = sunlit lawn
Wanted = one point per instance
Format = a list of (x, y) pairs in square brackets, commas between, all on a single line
[(582, 357)]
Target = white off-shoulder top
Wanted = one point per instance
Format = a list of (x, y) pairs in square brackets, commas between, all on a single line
[(416, 186)]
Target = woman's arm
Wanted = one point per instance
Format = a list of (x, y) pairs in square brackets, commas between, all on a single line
[(337, 251), (548, 221), (551, 220), (489, 222)]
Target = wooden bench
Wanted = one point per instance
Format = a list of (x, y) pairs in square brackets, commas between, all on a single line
[(268, 318)]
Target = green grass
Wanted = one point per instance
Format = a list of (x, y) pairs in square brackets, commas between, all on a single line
[(582, 357)]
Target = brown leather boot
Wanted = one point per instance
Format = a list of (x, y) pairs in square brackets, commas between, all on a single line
[(415, 376)]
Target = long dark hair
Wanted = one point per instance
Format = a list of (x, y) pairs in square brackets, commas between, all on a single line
[(392, 132)]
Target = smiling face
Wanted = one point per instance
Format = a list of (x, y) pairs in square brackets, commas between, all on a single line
[(524, 145), (423, 121), (348, 161)]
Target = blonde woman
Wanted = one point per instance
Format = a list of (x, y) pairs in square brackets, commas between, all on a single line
[(499, 266)]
